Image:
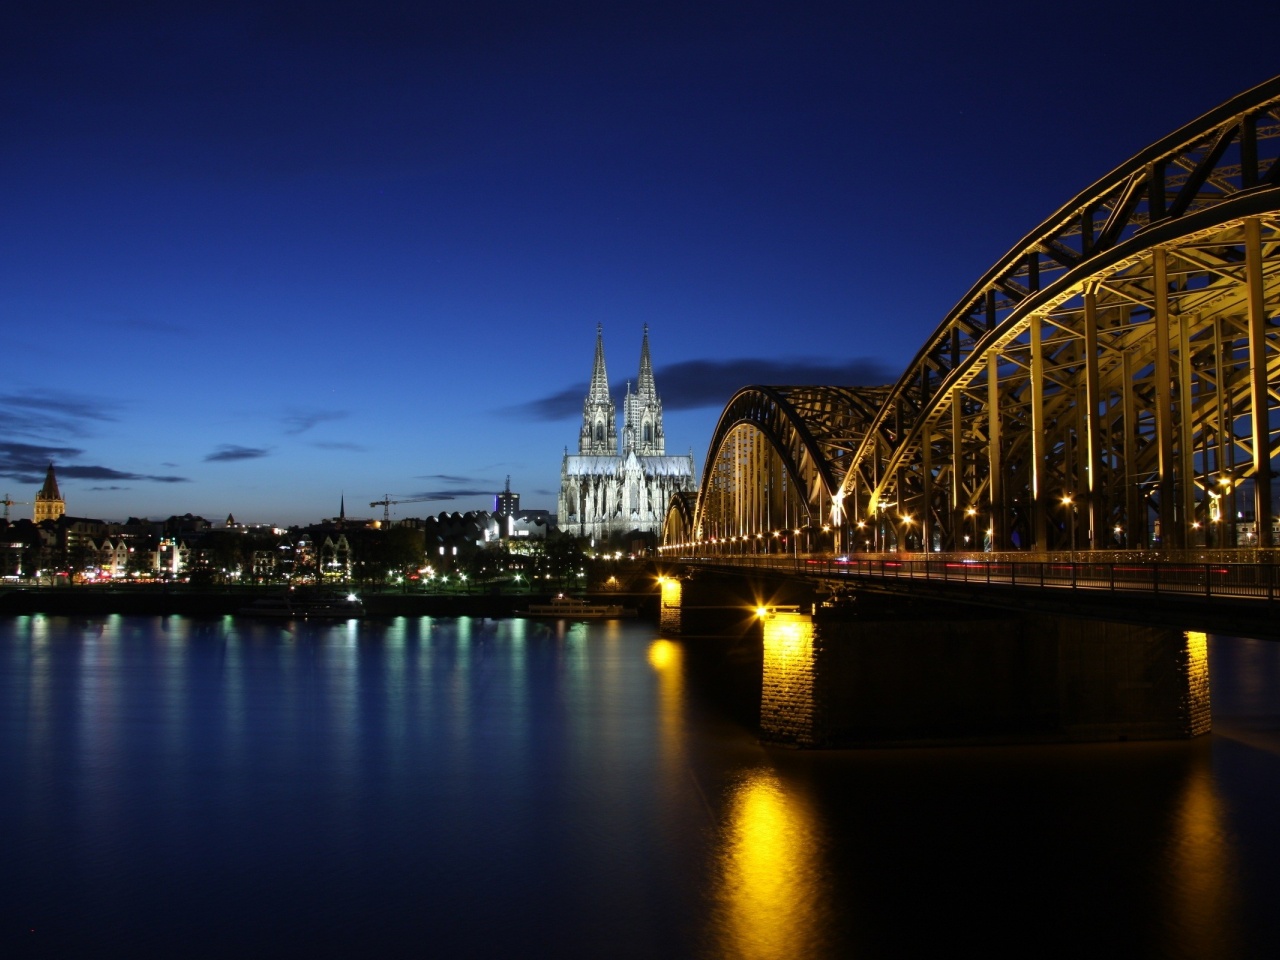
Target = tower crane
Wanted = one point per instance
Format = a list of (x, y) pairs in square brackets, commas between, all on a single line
[(386, 503), (10, 503)]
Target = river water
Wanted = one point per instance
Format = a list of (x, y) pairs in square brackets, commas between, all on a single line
[(422, 787)]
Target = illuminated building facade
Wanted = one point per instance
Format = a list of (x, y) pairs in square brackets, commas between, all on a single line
[(615, 485), (49, 504)]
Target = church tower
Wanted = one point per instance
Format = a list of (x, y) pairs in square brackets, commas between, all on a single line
[(642, 411), (599, 435), (610, 490), (49, 504)]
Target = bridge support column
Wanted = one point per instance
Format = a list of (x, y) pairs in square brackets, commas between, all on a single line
[(670, 609), (832, 679)]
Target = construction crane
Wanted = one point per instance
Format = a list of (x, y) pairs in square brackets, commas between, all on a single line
[(386, 503), (11, 503)]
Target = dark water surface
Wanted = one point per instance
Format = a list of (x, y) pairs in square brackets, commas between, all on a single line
[(173, 787)]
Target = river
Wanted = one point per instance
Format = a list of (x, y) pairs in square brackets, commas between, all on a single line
[(419, 787)]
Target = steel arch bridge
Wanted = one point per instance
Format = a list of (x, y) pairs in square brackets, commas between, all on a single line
[(1112, 382)]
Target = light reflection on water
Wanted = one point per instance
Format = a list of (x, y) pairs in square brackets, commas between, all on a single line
[(771, 888), (510, 788)]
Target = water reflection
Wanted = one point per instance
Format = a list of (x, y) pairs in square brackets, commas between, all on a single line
[(771, 889), (492, 788), (1204, 908)]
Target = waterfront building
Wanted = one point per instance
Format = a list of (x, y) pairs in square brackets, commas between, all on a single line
[(616, 485), (49, 504)]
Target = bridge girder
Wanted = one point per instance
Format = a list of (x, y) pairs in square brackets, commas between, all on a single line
[(776, 458), (1096, 387)]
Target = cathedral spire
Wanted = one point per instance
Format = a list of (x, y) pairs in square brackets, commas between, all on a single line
[(642, 412), (644, 385), (599, 390), (599, 435)]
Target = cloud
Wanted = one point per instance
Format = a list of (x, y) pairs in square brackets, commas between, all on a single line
[(43, 413), (455, 494), (300, 421), (555, 406), (26, 463), (696, 384), (455, 487), (73, 472), (228, 452), (449, 494)]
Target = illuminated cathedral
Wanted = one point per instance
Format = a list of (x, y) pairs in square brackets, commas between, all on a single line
[(618, 484)]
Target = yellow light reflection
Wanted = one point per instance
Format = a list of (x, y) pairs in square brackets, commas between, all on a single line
[(1205, 906), (771, 891), (663, 654)]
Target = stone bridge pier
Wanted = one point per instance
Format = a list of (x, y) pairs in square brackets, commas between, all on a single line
[(845, 677)]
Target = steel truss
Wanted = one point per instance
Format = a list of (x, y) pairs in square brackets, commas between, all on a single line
[(1096, 388)]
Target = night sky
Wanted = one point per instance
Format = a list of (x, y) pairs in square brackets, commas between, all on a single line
[(254, 257)]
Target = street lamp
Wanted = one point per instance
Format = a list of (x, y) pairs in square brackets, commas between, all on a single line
[(1070, 506)]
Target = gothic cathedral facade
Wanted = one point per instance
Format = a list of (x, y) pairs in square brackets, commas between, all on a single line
[(616, 484)]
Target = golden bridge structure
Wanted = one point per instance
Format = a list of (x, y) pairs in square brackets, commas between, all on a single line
[(1110, 384)]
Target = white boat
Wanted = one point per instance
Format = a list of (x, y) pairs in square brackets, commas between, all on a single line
[(571, 608), (315, 606)]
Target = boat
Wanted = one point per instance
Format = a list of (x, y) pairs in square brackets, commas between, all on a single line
[(314, 606), (571, 608)]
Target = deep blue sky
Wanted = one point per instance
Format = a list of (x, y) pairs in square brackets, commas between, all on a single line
[(255, 256)]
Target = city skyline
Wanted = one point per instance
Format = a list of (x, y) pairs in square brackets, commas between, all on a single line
[(254, 261)]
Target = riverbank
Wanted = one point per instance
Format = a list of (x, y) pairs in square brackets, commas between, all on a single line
[(215, 602)]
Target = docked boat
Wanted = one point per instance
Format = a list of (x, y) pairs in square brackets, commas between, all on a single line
[(571, 608), (307, 606)]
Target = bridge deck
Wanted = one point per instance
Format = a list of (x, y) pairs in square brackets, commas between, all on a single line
[(1210, 595)]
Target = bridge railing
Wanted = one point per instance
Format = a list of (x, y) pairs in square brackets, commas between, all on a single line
[(1205, 579)]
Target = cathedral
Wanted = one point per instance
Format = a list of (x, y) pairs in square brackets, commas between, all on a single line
[(616, 484)]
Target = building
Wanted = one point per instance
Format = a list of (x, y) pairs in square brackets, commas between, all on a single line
[(49, 504), (617, 484), (506, 503)]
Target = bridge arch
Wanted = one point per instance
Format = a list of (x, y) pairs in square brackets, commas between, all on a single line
[(1112, 381), (678, 528), (774, 466)]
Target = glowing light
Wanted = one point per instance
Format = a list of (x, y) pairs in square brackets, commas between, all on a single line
[(663, 654), (771, 892)]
